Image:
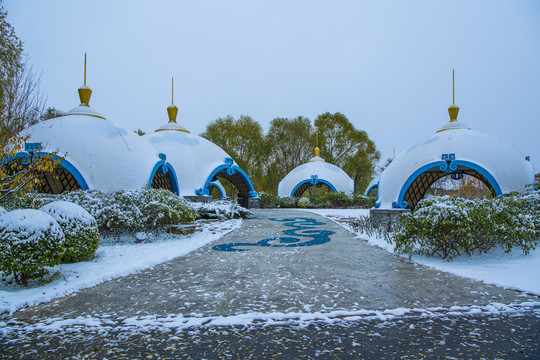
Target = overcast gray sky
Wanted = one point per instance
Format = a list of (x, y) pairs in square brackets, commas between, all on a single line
[(386, 65)]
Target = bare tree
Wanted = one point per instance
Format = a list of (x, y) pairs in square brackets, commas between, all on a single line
[(23, 100)]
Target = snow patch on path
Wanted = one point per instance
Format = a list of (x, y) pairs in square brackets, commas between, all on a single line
[(177, 322)]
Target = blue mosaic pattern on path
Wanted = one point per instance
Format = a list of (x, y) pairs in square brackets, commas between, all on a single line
[(303, 229)]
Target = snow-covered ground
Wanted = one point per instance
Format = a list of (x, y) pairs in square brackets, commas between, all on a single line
[(512, 271), (112, 261)]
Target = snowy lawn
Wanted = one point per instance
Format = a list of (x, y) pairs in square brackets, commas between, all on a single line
[(111, 261), (512, 271)]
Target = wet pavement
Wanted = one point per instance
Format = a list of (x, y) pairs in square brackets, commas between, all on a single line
[(286, 263)]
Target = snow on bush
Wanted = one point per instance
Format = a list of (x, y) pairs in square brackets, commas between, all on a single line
[(80, 229), (30, 240), (221, 209), (124, 212), (2, 211), (329, 200), (452, 226), (287, 202), (304, 202)]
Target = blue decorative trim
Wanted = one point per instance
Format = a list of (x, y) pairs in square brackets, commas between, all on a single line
[(414, 175), (164, 167), (26, 158), (449, 164), (452, 165), (449, 157), (374, 186), (230, 169), (32, 147), (401, 205), (528, 158), (490, 178), (456, 176), (221, 192), (378, 204), (313, 181)]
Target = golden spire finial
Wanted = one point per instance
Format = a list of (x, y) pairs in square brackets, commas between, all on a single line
[(453, 109), (172, 110), (84, 91), (317, 145)]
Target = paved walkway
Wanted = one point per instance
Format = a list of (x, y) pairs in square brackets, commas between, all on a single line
[(283, 261)]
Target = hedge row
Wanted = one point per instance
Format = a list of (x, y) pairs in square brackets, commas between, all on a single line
[(123, 212), (328, 200)]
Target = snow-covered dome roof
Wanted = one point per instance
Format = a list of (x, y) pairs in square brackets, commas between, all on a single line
[(315, 172), (99, 154), (453, 149), (193, 157), (196, 161)]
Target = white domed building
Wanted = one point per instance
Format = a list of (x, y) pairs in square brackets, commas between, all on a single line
[(97, 154), (200, 162), (453, 150), (316, 172)]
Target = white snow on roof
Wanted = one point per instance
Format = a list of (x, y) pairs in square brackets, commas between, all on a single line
[(504, 162), (84, 110), (323, 170), (192, 157), (108, 157)]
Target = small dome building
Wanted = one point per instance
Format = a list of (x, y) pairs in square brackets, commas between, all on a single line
[(200, 162), (316, 172), (453, 150)]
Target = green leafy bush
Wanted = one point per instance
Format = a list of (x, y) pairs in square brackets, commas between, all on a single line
[(268, 201), (79, 227), (287, 202), (304, 202), (452, 226), (124, 212), (30, 240)]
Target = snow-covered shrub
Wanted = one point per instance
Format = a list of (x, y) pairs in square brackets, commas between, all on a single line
[(79, 227), (161, 208), (2, 211), (124, 212), (222, 209), (341, 200), (304, 202), (287, 202), (453, 226), (30, 240), (268, 201)]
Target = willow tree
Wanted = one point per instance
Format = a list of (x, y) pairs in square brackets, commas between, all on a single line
[(343, 145), (243, 140), (290, 143)]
